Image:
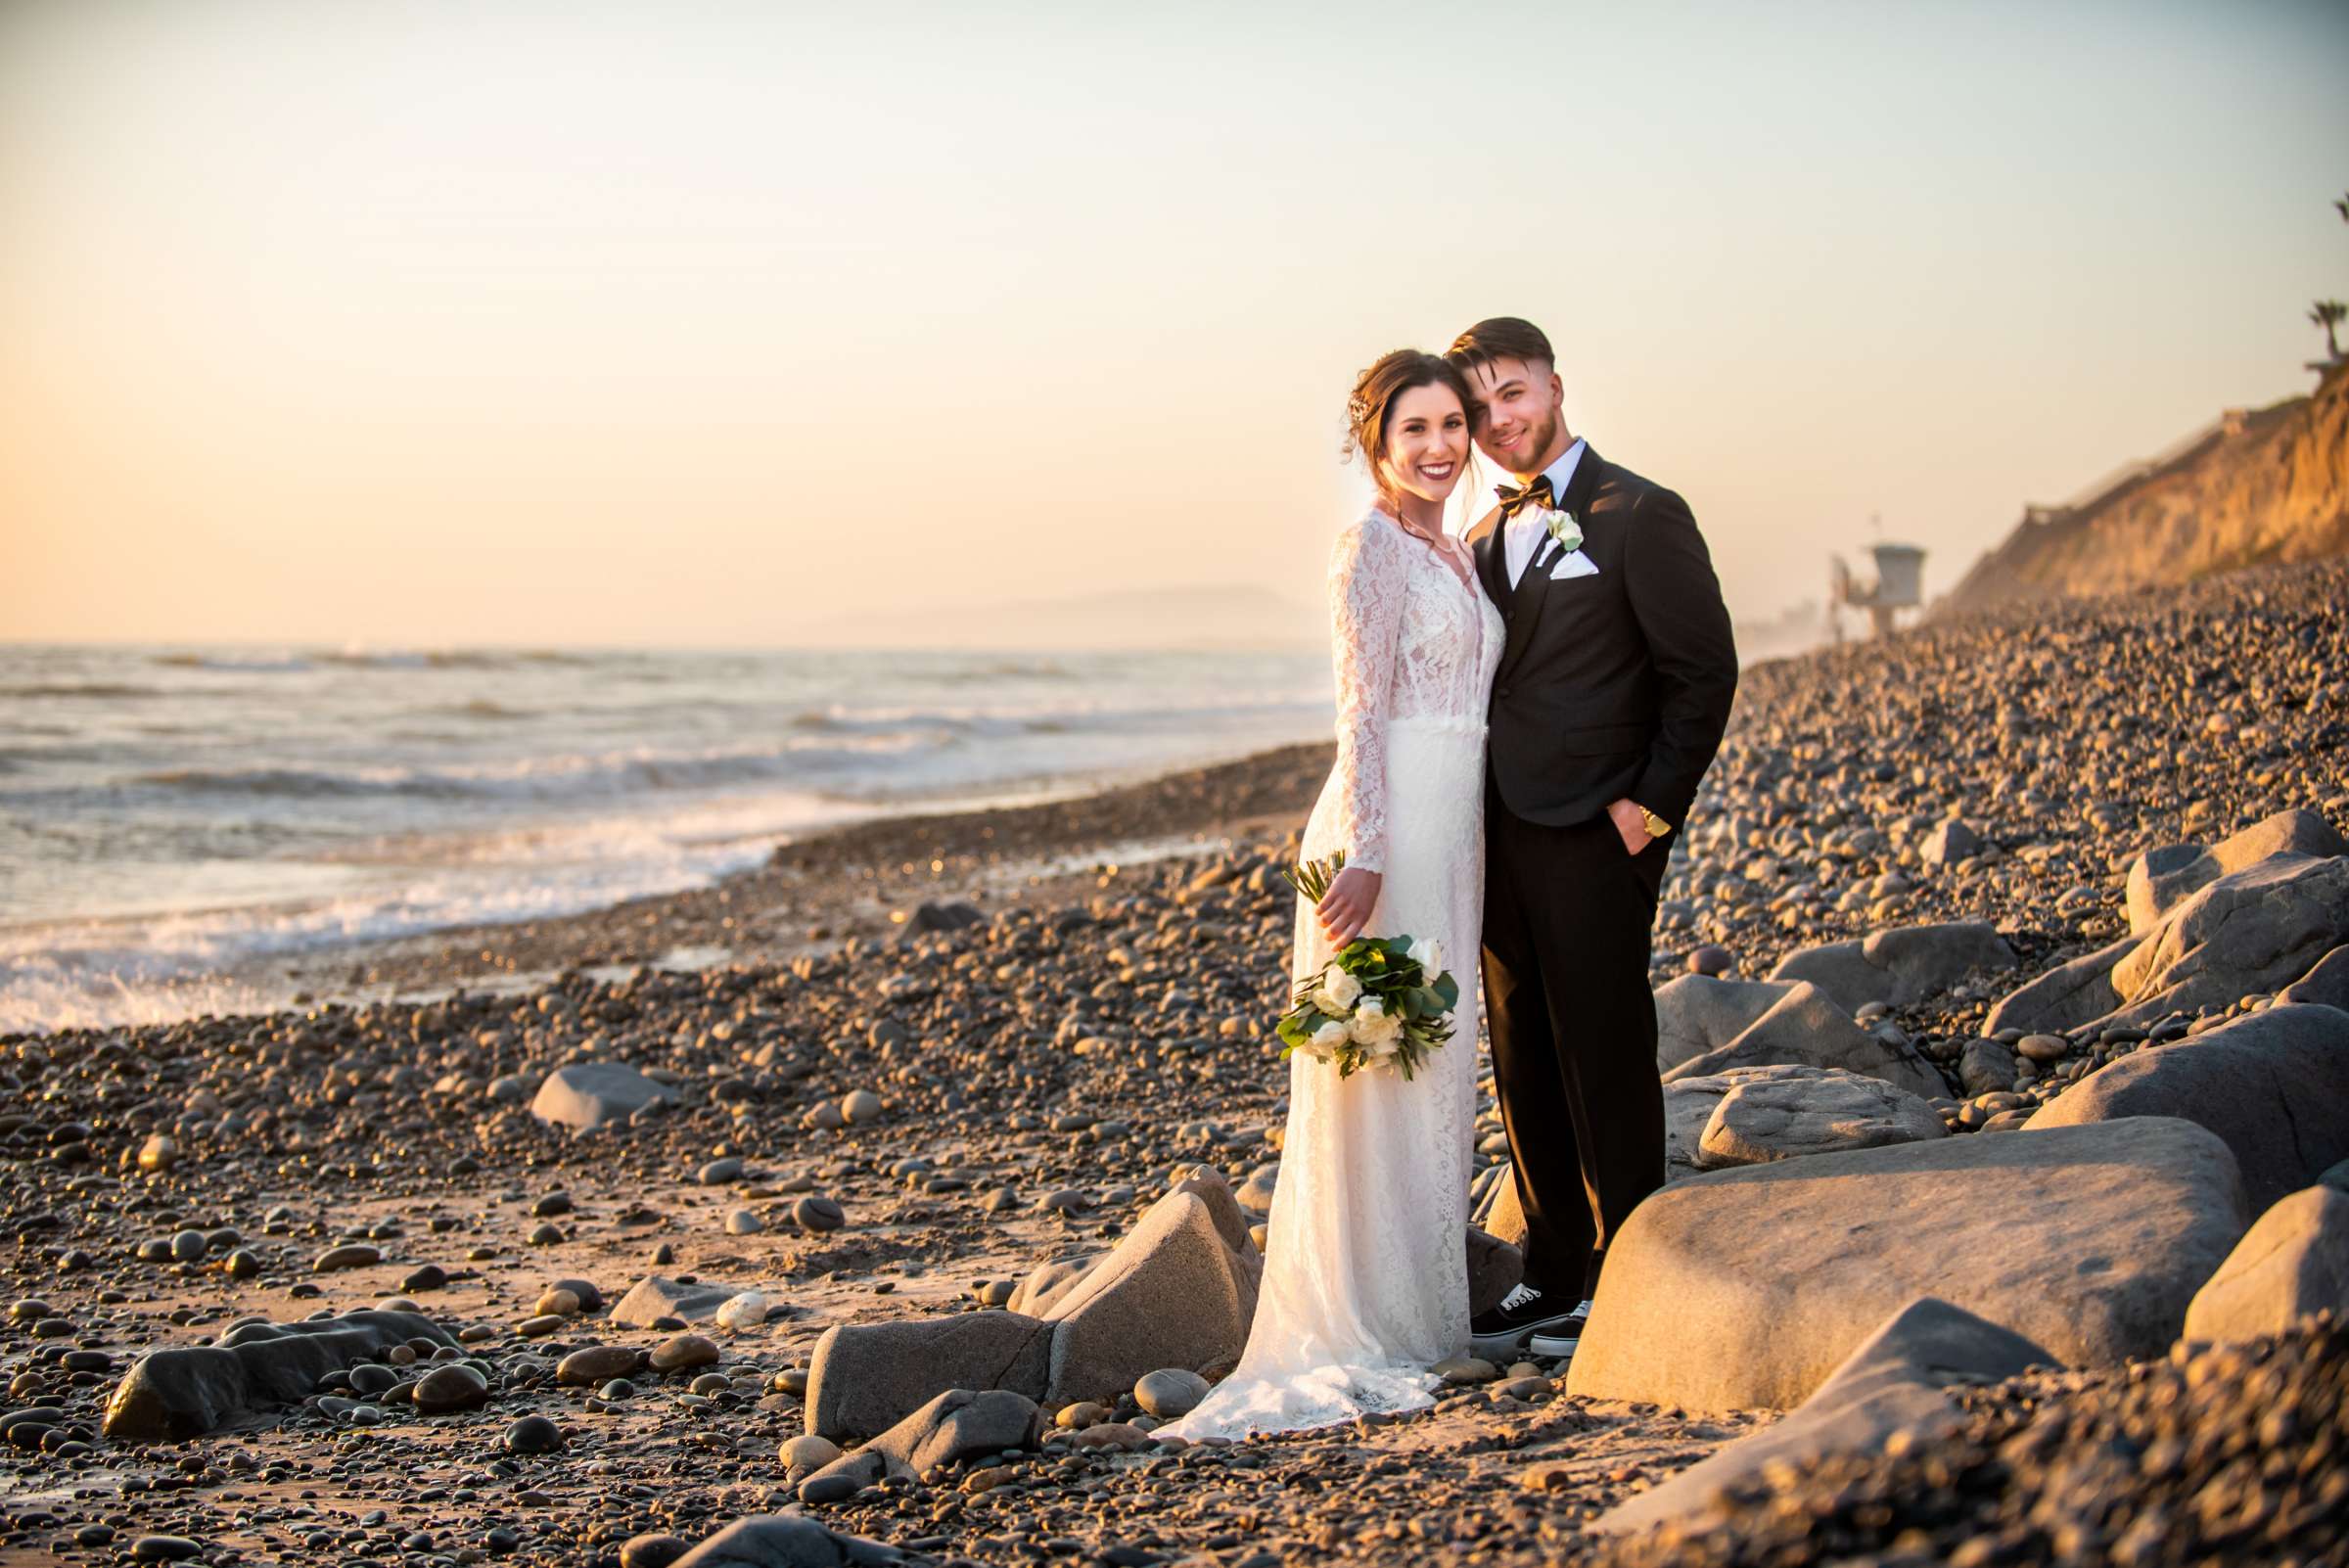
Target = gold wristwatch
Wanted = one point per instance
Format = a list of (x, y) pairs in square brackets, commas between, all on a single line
[(1656, 826)]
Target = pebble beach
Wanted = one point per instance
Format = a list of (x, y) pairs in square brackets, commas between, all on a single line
[(660, 1233)]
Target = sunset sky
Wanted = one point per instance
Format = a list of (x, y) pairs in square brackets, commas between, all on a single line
[(410, 324)]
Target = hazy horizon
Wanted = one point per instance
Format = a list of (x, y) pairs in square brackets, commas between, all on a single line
[(590, 325)]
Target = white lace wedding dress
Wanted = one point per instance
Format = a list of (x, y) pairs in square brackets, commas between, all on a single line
[(1365, 1269)]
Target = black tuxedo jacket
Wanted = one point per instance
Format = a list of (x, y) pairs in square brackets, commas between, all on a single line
[(1616, 685)]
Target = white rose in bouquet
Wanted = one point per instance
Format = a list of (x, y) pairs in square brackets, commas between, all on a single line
[(1338, 992), (1375, 1030), (1428, 955), (1327, 1039)]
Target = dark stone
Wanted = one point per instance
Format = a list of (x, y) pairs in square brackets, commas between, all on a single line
[(171, 1395), (533, 1434), (775, 1540)]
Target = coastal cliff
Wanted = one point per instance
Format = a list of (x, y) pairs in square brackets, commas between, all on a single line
[(2269, 484)]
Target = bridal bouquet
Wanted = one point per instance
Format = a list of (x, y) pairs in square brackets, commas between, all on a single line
[(1382, 1001)]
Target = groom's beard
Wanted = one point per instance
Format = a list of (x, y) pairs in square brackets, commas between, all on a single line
[(1537, 448)]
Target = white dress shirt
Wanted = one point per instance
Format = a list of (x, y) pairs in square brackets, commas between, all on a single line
[(1524, 532)]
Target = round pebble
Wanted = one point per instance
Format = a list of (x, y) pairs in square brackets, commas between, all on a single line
[(533, 1434)]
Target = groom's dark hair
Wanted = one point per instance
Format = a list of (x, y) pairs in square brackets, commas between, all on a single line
[(1500, 338)]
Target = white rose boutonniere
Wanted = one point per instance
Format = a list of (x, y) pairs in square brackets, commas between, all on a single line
[(1563, 527)]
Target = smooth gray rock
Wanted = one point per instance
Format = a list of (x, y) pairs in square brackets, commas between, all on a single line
[(1178, 1290), (1894, 1381), (2250, 933), (2325, 985), (1809, 1028), (2292, 1262), (2275, 1084), (1809, 1111), (2160, 880), (588, 1095), (779, 1541), (1688, 1106), (171, 1395), (2065, 998), (1986, 1067), (1697, 1013), (952, 1426), (1255, 1193), (657, 1296), (1494, 1268), (1745, 1288), (1899, 966), (1951, 840), (864, 1378), (1047, 1283), (1170, 1392), (453, 1386)]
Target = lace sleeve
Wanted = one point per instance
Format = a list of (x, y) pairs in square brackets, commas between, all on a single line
[(1365, 606)]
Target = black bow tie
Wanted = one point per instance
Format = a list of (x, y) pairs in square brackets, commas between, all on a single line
[(1514, 501)]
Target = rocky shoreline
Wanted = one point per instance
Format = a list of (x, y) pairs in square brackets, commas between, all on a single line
[(2005, 942)]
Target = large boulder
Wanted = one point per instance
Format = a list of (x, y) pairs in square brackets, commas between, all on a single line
[(1893, 1381), (955, 1425), (1811, 1110), (2275, 1084), (1698, 1013), (1688, 1106), (2075, 993), (864, 1378), (2249, 933), (171, 1395), (1809, 1028), (2160, 880), (2327, 985), (1178, 1290), (1900, 966), (2292, 1262), (587, 1094), (782, 1541), (657, 1296), (1747, 1287)]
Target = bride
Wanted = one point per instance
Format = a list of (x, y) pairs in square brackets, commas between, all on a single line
[(1365, 1267)]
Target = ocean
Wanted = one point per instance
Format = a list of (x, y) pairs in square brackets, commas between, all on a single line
[(167, 813)]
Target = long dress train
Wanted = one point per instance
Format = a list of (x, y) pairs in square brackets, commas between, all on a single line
[(1366, 1269)]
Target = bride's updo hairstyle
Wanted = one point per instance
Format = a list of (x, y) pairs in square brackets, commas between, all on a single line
[(1375, 390)]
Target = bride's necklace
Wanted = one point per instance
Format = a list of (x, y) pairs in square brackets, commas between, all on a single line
[(1443, 545)]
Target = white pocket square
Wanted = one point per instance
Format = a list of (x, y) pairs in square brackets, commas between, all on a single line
[(1573, 564)]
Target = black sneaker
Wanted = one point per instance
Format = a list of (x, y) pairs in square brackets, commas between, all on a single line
[(1564, 1339), (1522, 1312)]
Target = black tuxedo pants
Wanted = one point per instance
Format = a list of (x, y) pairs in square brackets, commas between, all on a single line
[(1568, 914)]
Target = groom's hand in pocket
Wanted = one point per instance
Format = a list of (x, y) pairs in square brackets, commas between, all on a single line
[(1632, 824), (1345, 909)]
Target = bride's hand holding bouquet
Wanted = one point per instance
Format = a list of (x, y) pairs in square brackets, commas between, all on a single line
[(1380, 1002)]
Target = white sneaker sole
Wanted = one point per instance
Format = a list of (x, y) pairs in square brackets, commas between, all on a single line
[(1492, 1345), (1553, 1345)]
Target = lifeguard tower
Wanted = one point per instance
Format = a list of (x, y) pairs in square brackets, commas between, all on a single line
[(1900, 584)]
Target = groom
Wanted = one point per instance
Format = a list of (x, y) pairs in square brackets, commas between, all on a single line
[(1614, 687)]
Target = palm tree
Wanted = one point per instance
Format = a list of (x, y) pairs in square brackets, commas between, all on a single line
[(2326, 315)]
